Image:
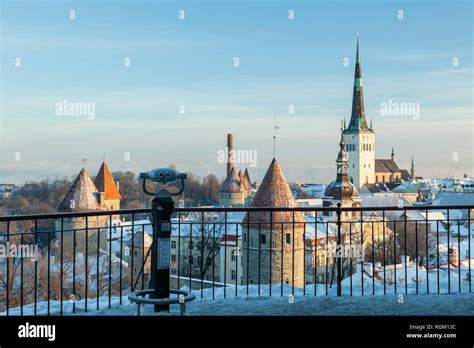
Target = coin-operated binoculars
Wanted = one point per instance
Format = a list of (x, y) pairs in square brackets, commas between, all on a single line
[(162, 207)]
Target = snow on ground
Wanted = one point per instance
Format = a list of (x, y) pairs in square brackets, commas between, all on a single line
[(286, 304)]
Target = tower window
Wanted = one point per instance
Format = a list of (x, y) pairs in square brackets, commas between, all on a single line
[(263, 239), (288, 238)]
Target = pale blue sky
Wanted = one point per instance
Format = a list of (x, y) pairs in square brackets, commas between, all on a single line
[(190, 62)]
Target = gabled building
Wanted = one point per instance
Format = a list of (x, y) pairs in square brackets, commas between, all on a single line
[(387, 171)]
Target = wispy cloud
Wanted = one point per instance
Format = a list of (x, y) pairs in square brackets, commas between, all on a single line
[(405, 56)]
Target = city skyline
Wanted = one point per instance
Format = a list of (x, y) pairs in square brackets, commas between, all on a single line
[(182, 93)]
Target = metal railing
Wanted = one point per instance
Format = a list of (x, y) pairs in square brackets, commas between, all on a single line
[(55, 264)]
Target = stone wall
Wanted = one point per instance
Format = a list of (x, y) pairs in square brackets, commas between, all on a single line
[(277, 264)]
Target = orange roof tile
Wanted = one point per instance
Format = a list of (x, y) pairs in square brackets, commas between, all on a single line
[(106, 183), (274, 191)]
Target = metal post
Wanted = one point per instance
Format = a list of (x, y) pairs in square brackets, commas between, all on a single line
[(338, 253), (161, 208)]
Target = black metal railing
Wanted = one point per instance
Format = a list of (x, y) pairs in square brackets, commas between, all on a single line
[(55, 264)]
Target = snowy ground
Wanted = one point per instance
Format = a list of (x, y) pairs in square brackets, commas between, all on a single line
[(454, 304), (288, 304)]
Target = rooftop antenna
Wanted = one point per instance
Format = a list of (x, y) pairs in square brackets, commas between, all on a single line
[(275, 127)]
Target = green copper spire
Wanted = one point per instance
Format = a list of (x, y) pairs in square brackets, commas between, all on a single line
[(412, 169), (358, 121)]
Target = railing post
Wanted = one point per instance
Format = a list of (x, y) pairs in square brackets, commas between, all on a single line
[(162, 209), (338, 250)]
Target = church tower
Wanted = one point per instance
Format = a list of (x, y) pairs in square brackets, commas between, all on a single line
[(359, 137), (341, 190)]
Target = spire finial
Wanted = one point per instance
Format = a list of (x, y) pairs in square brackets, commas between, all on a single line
[(393, 154), (83, 162), (341, 143), (275, 127), (357, 54)]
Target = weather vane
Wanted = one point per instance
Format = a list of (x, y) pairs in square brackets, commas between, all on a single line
[(275, 127)]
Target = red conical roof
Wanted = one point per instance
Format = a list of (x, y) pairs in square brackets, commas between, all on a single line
[(106, 183), (274, 191)]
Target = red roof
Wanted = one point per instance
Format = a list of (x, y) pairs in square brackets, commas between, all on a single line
[(106, 183), (274, 191)]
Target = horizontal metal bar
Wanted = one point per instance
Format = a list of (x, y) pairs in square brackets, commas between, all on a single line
[(222, 209)]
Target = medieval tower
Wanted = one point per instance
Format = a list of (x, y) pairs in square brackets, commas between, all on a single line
[(273, 242), (84, 195), (359, 137), (108, 188), (236, 189)]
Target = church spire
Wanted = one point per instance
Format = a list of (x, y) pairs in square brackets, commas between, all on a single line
[(412, 169), (358, 121), (341, 161)]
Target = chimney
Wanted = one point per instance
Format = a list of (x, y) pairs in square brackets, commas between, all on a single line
[(230, 152)]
